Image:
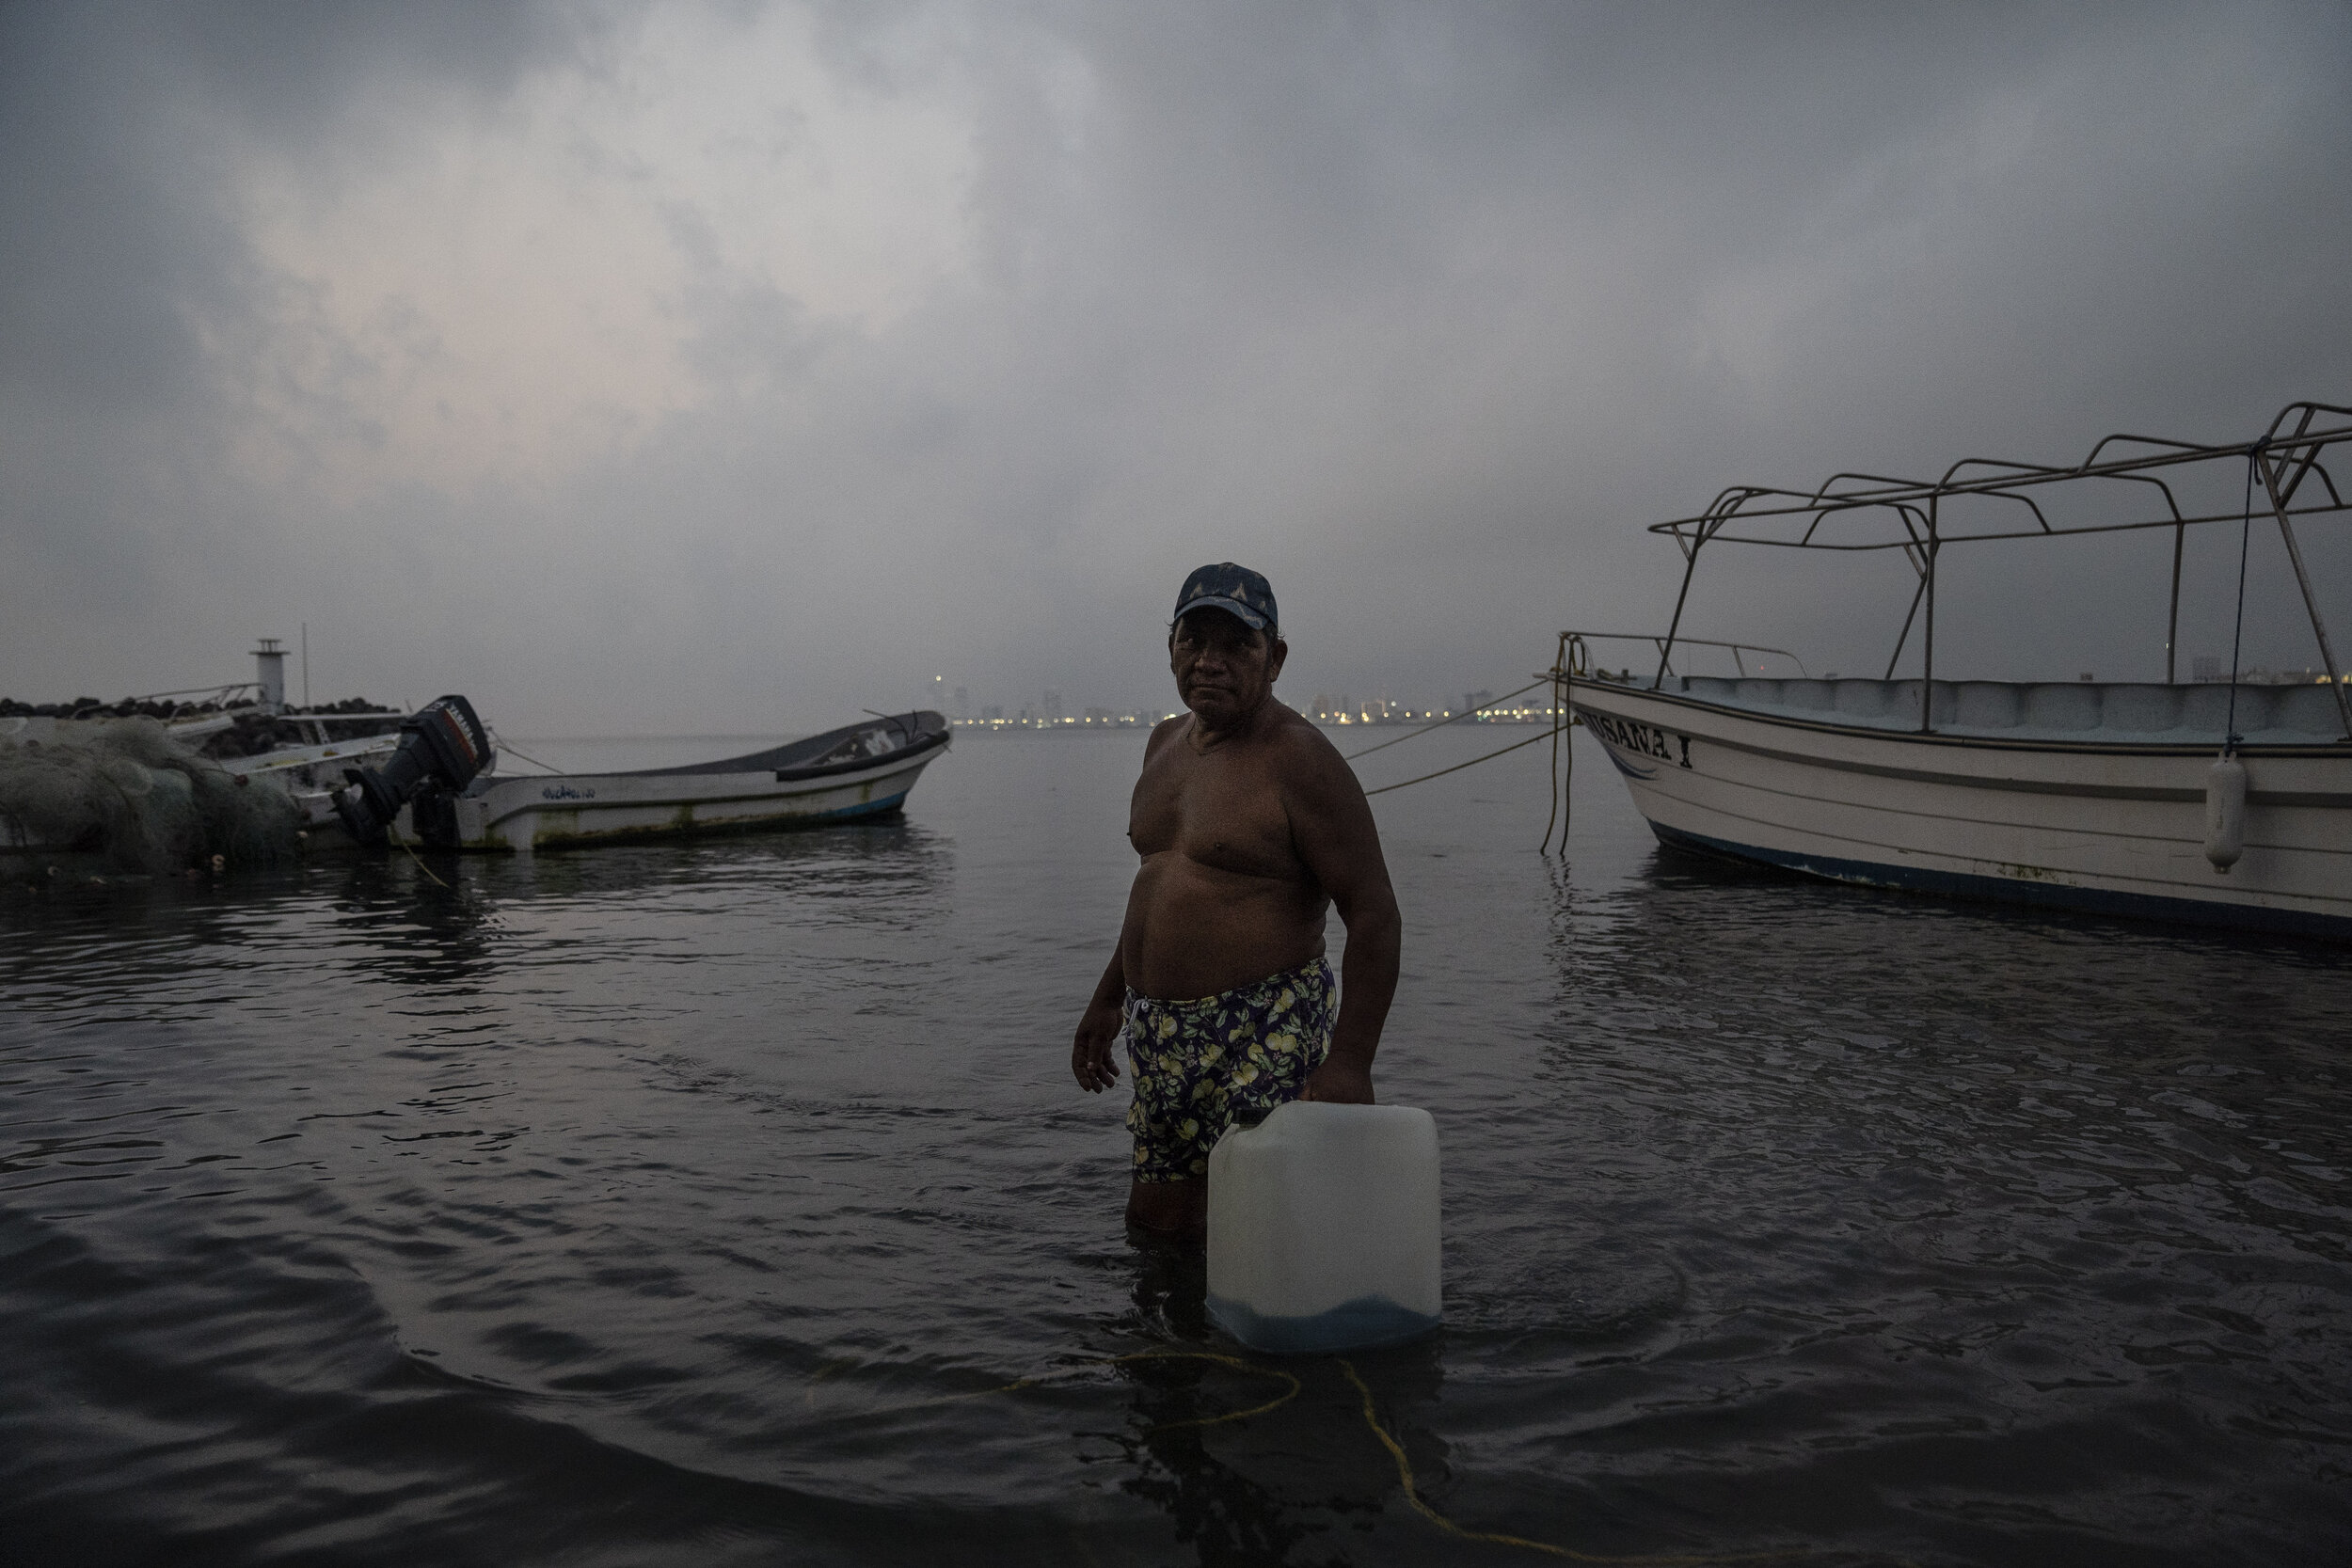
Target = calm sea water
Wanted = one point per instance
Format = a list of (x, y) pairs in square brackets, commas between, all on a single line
[(731, 1203)]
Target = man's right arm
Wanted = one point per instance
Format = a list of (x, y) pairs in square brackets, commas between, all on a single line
[(1091, 1061)]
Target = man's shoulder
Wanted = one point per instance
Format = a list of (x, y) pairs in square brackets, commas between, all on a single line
[(1296, 742), (1308, 769), (1165, 733)]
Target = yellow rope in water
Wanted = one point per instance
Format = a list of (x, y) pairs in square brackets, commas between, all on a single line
[(396, 838), (1233, 1361), (1396, 1451), (1412, 1494), (1236, 1362)]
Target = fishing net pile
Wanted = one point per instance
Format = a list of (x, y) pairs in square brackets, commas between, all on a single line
[(123, 789)]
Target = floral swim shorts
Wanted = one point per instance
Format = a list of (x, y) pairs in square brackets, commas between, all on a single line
[(1201, 1066)]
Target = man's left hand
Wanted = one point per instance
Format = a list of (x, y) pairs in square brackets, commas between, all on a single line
[(1338, 1083)]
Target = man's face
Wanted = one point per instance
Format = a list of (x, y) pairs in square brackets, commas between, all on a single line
[(1223, 667)]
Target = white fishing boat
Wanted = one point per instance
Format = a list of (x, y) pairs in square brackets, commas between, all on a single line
[(135, 777), (2226, 802), (859, 770)]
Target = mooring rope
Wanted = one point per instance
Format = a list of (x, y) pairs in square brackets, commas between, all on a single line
[(1236, 1362), (2237, 636), (1459, 766), (1421, 1505), (499, 741), (1552, 735), (1450, 719), (397, 838), (1562, 669)]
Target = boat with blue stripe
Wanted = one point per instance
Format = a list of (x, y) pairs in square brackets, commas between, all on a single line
[(856, 772)]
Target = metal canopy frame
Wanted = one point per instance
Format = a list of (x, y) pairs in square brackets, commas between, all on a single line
[(2286, 456), (1578, 657)]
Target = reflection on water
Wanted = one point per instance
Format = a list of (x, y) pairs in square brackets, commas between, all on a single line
[(728, 1202), (1260, 1459)]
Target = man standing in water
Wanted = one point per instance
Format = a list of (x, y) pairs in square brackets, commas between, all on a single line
[(1250, 827)]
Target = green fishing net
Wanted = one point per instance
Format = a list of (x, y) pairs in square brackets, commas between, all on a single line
[(123, 788)]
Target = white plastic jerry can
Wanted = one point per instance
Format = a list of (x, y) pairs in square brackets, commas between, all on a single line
[(1323, 1227)]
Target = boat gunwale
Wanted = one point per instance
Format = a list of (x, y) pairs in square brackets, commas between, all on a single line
[(880, 769), (927, 730), (835, 817), (2340, 745)]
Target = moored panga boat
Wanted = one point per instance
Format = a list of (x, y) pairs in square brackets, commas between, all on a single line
[(2228, 803), (858, 771)]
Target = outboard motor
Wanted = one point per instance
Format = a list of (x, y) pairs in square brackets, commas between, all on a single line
[(442, 746)]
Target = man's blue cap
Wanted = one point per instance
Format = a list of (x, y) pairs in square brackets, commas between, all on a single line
[(1236, 589)]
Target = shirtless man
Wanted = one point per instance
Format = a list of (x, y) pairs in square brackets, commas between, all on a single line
[(1250, 827)]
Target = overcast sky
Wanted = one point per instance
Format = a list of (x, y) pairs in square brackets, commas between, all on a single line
[(734, 367)]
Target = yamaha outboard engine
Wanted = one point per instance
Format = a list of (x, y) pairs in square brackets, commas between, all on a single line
[(442, 746)]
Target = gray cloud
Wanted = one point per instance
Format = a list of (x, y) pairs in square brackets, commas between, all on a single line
[(1424, 310)]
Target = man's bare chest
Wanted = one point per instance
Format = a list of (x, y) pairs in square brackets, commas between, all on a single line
[(1219, 813)]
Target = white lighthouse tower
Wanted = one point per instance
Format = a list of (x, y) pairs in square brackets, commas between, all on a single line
[(269, 665)]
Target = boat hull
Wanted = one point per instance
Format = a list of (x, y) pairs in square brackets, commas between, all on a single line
[(526, 813), (2105, 827)]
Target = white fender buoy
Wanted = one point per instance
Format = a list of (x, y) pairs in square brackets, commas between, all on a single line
[(2225, 813)]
